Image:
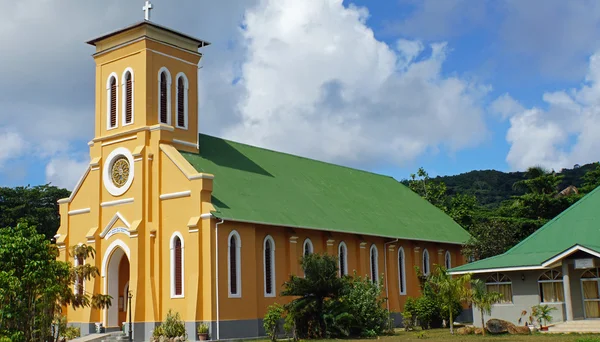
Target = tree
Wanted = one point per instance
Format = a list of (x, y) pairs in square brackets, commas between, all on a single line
[(433, 191), (483, 299), (449, 290), (34, 285), (321, 282), (462, 209), (591, 180), (35, 205)]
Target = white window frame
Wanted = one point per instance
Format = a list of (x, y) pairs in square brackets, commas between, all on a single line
[(344, 271), (310, 247), (186, 86), (124, 95), (273, 282), (426, 266), (551, 271), (402, 271), (509, 282), (371, 250), (238, 264), (109, 104), (172, 248), (448, 260), (164, 69)]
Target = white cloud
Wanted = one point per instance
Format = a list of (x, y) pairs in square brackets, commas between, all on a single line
[(11, 145), (65, 172), (564, 134), (316, 82)]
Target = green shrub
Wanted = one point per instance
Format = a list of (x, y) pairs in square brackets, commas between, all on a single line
[(71, 333), (428, 312), (5, 339), (366, 307), (271, 320), (172, 327)]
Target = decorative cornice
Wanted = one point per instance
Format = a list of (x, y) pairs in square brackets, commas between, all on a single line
[(185, 143), (117, 202), (172, 195), (363, 245), (111, 142), (79, 211), (293, 239), (206, 216)]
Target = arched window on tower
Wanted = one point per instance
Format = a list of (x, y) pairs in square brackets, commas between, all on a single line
[(181, 102), (127, 84), (234, 264), (401, 271), (177, 268), (269, 266), (374, 264), (425, 262), (111, 101), (164, 96), (343, 259)]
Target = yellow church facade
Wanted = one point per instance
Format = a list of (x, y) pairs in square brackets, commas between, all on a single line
[(211, 228)]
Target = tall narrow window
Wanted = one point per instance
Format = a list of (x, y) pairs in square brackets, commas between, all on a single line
[(177, 268), (343, 259), (401, 271), (181, 102), (233, 258), (425, 262), (308, 247), (127, 96), (164, 96), (448, 260), (269, 266), (111, 105), (374, 264)]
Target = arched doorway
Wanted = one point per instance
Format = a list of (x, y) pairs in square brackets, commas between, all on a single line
[(116, 283)]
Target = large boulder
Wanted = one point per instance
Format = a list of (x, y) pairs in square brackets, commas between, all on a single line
[(519, 330), (498, 326)]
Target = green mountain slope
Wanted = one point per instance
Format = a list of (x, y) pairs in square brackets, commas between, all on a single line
[(491, 187)]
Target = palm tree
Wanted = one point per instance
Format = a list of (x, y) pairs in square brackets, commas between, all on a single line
[(450, 290), (483, 299)]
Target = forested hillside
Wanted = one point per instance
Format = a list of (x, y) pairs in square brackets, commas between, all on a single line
[(491, 187)]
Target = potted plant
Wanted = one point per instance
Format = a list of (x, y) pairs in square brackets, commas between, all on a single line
[(542, 314), (203, 332)]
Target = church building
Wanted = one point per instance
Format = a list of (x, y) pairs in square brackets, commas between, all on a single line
[(212, 228)]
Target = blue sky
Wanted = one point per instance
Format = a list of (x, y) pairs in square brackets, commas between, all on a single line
[(386, 86)]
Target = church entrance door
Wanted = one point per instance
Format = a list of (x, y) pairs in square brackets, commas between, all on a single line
[(117, 286)]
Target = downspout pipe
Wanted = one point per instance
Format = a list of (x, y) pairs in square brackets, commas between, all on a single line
[(387, 291), (217, 273)]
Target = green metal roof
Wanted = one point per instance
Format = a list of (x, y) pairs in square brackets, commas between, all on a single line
[(578, 225), (257, 185)]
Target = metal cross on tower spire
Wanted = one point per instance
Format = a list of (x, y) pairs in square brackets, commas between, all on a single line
[(147, 7)]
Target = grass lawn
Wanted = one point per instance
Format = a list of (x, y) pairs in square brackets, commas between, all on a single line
[(444, 335)]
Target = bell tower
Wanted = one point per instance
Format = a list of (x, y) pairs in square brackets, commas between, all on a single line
[(147, 82)]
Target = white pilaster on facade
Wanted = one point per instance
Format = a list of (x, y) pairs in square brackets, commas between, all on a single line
[(567, 289)]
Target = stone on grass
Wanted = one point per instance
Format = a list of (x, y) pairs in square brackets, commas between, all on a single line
[(498, 326), (478, 331), (519, 330), (465, 331)]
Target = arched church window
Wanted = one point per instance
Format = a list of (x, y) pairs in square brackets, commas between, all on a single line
[(164, 96), (177, 267), (111, 99), (308, 247), (401, 271), (426, 262), (343, 258), (181, 102), (234, 264), (374, 264), (269, 266), (127, 96), (448, 260)]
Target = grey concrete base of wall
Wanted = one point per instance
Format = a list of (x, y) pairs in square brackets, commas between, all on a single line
[(251, 328)]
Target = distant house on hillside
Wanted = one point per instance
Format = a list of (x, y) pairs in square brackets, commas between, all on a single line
[(558, 265)]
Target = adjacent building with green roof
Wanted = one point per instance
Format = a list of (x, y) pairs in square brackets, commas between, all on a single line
[(557, 265)]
